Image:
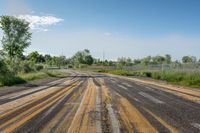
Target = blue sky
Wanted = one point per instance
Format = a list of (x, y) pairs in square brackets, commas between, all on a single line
[(129, 28)]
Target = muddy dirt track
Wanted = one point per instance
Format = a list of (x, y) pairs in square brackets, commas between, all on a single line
[(97, 103)]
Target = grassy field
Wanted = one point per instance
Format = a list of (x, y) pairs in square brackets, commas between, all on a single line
[(189, 79), (23, 78)]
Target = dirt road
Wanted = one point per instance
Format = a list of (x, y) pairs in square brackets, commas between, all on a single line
[(89, 103)]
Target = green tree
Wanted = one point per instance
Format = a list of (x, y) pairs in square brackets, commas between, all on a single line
[(158, 60), (82, 57), (48, 59), (168, 58), (34, 56), (188, 59), (137, 61), (89, 60), (16, 37), (146, 60)]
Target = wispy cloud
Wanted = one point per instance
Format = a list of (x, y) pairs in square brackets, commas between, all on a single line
[(40, 23)]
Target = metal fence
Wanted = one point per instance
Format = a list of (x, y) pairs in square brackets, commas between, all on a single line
[(155, 67)]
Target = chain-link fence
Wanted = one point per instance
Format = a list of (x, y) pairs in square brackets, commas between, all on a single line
[(153, 67)]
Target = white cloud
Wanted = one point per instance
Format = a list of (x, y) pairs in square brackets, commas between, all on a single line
[(40, 23)]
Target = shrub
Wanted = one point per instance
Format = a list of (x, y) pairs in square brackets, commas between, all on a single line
[(148, 74), (26, 66), (3, 68), (39, 67), (10, 80)]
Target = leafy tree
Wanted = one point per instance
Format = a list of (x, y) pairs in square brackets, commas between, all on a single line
[(137, 61), (187, 59), (158, 59), (125, 61), (82, 57), (16, 36), (33, 56), (36, 57), (146, 60), (58, 61), (48, 59), (89, 60), (122, 61), (168, 58)]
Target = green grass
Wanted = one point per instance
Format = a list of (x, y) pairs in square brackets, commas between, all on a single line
[(189, 79), (26, 77)]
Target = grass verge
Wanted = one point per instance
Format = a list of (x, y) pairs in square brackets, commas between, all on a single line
[(189, 79), (25, 77)]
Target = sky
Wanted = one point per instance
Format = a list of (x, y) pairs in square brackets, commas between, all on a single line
[(117, 28)]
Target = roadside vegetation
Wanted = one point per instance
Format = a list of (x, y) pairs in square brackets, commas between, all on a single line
[(26, 77), (191, 79)]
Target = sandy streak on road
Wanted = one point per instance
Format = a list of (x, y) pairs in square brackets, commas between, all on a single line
[(83, 120), (179, 91), (17, 123), (13, 105), (132, 119)]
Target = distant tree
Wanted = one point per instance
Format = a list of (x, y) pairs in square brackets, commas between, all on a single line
[(125, 61), (194, 59), (189, 59), (58, 61), (111, 63), (36, 57), (146, 60), (129, 62), (168, 58), (137, 61), (158, 59), (82, 57), (122, 61), (89, 60), (48, 59), (16, 36), (33, 56)]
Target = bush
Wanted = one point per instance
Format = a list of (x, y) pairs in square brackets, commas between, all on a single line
[(26, 66), (3, 68), (146, 74), (29, 66), (10, 80), (39, 67)]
